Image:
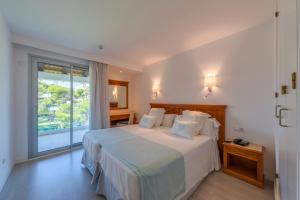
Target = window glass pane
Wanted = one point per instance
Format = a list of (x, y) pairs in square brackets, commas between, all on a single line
[(80, 103), (54, 102)]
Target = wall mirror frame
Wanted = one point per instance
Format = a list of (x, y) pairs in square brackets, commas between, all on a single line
[(114, 92)]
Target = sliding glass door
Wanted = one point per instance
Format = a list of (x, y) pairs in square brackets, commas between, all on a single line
[(53, 106), (60, 114), (80, 114)]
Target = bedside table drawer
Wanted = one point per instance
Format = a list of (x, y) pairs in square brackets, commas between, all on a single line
[(242, 153)]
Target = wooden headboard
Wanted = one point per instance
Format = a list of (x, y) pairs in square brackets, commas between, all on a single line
[(216, 111)]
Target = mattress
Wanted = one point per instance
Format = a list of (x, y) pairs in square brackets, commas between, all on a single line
[(201, 156)]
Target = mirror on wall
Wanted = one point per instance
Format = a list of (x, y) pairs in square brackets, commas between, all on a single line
[(118, 94)]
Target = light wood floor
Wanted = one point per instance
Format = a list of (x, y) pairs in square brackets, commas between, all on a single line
[(63, 178), (220, 186)]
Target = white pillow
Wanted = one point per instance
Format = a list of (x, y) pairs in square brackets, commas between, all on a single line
[(168, 120), (159, 114), (211, 128), (179, 117), (186, 129), (195, 117), (190, 112), (147, 121)]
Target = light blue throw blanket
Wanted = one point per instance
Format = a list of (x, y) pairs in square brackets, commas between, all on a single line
[(160, 169)]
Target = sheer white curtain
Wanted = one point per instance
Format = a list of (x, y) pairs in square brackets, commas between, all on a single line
[(99, 114)]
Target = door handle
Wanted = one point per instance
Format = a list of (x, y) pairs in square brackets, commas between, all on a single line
[(280, 117), (276, 109)]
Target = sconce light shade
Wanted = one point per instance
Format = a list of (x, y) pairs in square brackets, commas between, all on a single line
[(209, 83), (155, 90)]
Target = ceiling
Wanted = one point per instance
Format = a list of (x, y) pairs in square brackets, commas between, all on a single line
[(116, 70), (139, 32)]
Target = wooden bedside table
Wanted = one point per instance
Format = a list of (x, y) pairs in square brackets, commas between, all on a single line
[(244, 162)]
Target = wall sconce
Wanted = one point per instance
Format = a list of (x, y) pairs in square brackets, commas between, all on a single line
[(155, 91), (209, 83)]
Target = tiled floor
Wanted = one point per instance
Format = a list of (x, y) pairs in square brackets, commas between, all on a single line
[(62, 177)]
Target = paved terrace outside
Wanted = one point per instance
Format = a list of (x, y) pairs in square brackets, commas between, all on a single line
[(59, 139)]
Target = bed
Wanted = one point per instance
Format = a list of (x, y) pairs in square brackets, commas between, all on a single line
[(116, 179)]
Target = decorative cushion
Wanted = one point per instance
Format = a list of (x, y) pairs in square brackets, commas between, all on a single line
[(159, 114), (168, 120), (147, 121), (186, 129)]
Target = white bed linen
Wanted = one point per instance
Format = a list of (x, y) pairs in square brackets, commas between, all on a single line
[(201, 156)]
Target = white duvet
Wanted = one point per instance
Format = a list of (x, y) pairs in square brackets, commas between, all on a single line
[(201, 156)]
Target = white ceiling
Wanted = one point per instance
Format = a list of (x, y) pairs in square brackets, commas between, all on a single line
[(116, 70), (139, 32)]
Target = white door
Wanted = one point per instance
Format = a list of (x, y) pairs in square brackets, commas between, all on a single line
[(286, 126)]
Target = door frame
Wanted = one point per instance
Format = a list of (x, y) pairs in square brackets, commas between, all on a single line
[(298, 96), (32, 131)]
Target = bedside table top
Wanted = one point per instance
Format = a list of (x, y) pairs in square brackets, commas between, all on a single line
[(251, 147)]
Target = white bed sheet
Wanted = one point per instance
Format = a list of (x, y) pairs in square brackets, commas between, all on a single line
[(201, 156)]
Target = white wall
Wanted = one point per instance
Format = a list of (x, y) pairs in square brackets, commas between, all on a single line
[(243, 64), (6, 151), (21, 69)]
